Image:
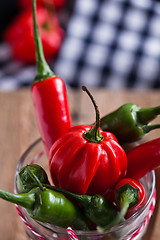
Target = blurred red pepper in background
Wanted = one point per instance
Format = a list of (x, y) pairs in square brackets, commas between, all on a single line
[(20, 35), (57, 4)]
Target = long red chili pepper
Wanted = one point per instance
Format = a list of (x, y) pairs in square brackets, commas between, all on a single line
[(86, 159), (49, 96), (143, 159)]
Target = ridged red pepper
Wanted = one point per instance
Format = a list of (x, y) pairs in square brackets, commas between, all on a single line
[(87, 160), (143, 159), (49, 96)]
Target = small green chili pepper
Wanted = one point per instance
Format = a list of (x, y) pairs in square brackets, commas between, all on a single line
[(25, 181), (130, 122), (96, 208), (50, 207)]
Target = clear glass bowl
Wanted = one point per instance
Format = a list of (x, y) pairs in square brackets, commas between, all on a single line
[(133, 228)]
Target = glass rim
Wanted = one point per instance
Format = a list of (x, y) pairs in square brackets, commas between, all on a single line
[(81, 232)]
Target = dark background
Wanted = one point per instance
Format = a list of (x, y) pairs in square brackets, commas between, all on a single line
[(8, 10)]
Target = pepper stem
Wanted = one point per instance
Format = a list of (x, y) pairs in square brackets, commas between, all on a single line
[(149, 128), (93, 135), (26, 200), (82, 199), (42, 67), (117, 220), (35, 178), (146, 115)]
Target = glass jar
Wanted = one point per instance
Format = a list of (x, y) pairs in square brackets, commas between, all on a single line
[(133, 228)]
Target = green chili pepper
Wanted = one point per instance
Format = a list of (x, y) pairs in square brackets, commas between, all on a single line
[(25, 180), (44, 204), (130, 122), (96, 208), (50, 207)]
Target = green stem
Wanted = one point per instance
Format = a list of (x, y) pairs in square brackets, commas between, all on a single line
[(146, 115), (117, 220), (82, 199), (149, 128), (93, 135), (26, 200), (35, 178), (42, 67)]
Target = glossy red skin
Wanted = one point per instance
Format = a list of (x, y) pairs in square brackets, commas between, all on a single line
[(142, 194), (84, 167), (143, 159), (51, 108), (19, 35), (58, 4)]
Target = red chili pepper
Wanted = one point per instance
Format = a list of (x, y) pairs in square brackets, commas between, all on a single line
[(86, 159), (57, 4), (143, 159), (19, 35), (129, 196), (125, 188), (49, 96)]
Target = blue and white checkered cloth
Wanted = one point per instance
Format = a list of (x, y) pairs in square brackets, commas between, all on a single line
[(108, 43)]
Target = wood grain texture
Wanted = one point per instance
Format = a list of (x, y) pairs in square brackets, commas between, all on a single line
[(18, 129)]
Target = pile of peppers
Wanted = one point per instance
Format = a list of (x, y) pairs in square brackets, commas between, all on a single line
[(47, 203), (95, 181)]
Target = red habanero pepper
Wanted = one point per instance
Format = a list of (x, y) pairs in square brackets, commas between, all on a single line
[(19, 35), (129, 186), (86, 159), (49, 97), (143, 159)]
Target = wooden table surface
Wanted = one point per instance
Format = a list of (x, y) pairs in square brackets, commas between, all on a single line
[(18, 129)]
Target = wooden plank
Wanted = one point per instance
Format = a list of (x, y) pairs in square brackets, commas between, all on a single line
[(10, 224), (18, 129)]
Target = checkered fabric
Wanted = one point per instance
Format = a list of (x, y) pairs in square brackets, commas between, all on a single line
[(112, 43), (13, 74), (108, 43)]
